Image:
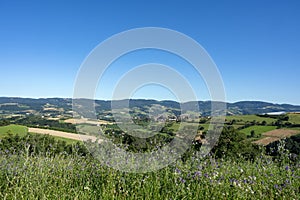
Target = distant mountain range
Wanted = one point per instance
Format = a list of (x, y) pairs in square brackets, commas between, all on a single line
[(17, 105)]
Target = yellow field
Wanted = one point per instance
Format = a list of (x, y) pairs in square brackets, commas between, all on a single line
[(86, 121), (62, 134)]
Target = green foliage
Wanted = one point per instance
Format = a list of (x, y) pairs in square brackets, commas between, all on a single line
[(252, 133), (36, 144), (75, 177), (234, 144), (283, 117), (37, 121), (40, 167), (291, 145), (4, 122)]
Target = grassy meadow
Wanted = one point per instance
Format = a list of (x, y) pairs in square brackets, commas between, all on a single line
[(294, 118), (257, 129), (249, 118), (21, 131), (13, 129), (59, 171), (75, 177)]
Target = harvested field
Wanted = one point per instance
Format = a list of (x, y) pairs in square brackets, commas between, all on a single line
[(274, 135), (53, 109), (281, 133), (72, 136), (266, 140), (86, 121), (53, 118)]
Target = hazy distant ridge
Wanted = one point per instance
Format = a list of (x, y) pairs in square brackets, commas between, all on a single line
[(242, 107)]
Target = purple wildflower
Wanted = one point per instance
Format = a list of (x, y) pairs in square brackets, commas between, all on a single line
[(197, 173), (181, 180), (177, 171)]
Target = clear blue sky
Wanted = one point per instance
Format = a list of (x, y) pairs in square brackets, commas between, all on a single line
[(254, 43)]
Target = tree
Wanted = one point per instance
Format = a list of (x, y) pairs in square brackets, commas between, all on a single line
[(234, 144), (252, 133)]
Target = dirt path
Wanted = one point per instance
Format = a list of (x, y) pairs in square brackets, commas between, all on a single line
[(72, 136)]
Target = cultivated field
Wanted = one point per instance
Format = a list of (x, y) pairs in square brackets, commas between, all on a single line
[(86, 121), (266, 140), (281, 133), (72, 136), (274, 135)]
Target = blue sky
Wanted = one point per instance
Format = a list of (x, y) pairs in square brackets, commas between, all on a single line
[(254, 43)]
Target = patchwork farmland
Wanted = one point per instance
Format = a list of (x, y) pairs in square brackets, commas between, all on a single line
[(45, 152)]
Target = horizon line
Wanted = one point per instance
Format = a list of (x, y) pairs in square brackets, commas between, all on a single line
[(149, 99)]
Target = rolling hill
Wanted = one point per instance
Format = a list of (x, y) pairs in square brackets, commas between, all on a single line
[(16, 105)]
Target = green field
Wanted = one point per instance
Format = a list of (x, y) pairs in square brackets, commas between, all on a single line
[(175, 126), (236, 126), (67, 140), (13, 129), (88, 129), (249, 118), (257, 129), (23, 130), (294, 118)]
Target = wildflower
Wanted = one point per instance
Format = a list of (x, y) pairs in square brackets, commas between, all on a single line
[(197, 173), (181, 180), (177, 171)]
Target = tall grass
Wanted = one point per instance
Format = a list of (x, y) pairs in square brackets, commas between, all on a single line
[(77, 177)]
